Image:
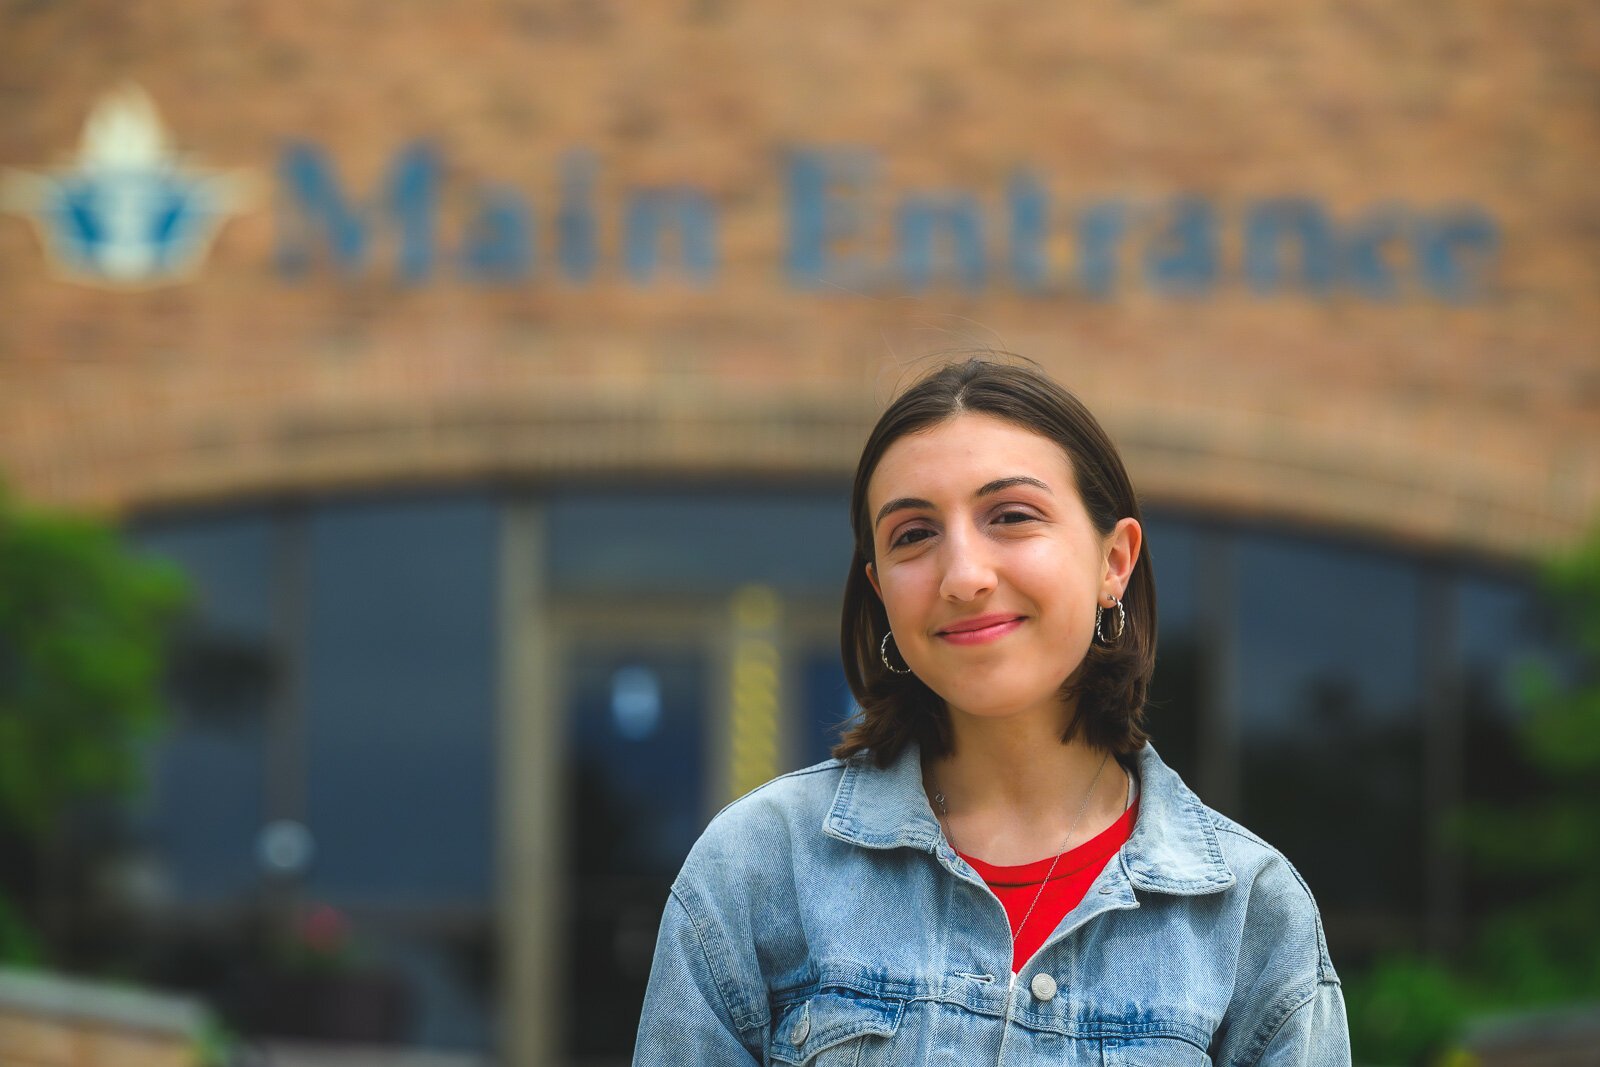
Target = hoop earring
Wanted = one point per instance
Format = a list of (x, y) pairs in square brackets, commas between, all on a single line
[(883, 654), (1122, 622)]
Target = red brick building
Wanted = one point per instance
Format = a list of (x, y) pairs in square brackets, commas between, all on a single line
[(1330, 274)]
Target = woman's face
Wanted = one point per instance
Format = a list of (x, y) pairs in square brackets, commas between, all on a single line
[(988, 565)]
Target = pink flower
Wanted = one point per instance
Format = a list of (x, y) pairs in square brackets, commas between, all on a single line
[(324, 929)]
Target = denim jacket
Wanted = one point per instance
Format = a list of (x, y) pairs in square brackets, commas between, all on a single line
[(823, 919)]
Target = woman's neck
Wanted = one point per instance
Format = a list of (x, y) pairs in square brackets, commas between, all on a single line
[(1012, 789)]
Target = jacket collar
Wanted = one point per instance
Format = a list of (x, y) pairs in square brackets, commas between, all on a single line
[(1174, 847)]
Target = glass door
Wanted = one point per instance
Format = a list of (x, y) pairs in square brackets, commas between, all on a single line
[(636, 794)]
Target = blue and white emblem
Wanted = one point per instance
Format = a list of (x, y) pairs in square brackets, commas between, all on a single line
[(128, 212)]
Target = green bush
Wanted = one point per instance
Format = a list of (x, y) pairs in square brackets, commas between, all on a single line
[(83, 629), (1404, 1010), (1538, 950)]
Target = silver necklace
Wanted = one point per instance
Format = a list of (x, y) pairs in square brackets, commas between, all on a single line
[(944, 810)]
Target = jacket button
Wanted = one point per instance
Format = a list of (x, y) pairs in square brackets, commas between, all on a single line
[(1043, 986), (802, 1029)]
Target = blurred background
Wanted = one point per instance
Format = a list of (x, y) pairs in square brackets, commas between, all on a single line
[(427, 432)]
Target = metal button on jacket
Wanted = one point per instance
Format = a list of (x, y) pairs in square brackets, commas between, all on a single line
[(1043, 986), (802, 1029)]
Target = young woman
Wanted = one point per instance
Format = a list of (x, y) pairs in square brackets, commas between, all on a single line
[(997, 868)]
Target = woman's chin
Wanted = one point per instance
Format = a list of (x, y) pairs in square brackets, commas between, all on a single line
[(988, 709)]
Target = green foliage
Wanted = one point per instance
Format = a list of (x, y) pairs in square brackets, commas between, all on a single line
[(82, 632), (1404, 1010), (82, 641), (216, 1045), (1547, 949), (1534, 951), (17, 943)]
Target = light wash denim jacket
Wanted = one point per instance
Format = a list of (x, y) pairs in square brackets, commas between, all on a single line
[(824, 920)]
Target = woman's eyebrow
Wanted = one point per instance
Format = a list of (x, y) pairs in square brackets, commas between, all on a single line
[(904, 502), (1010, 483), (899, 504)]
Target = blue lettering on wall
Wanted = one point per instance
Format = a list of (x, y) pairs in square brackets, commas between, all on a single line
[(410, 200), (825, 193), (1456, 253), (1291, 228), (648, 215), (1182, 258), (498, 245), (576, 229), (920, 223), (1029, 219), (844, 234), (1100, 227), (1368, 244)]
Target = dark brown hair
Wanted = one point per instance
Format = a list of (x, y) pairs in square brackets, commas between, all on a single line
[(1111, 683)]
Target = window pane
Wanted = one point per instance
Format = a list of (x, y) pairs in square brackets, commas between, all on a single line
[(646, 544), (400, 701), (1498, 628), (208, 771), (635, 803), (1331, 728), (826, 702), (1176, 707)]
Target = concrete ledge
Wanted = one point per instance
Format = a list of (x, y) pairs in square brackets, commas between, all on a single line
[(311, 1054), (1563, 1037), (51, 1021)]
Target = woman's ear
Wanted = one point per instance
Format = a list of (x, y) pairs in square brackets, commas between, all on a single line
[(1122, 552), (872, 577)]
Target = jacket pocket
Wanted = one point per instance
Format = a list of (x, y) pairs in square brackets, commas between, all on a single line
[(836, 1020), (1155, 1052)]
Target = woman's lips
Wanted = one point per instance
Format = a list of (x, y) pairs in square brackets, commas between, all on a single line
[(982, 630)]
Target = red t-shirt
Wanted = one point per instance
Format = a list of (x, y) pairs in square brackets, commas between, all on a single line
[(1077, 869)]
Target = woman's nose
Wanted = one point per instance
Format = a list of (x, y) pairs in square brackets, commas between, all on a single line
[(968, 570)]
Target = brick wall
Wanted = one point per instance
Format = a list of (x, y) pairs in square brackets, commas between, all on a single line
[(1471, 423)]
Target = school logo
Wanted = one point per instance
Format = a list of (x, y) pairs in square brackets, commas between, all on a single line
[(129, 212)]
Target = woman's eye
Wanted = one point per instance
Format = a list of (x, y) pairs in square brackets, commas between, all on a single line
[(910, 537), (1011, 518)]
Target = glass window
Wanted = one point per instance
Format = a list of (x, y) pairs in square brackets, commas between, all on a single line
[(1176, 711), (690, 541), (1497, 629), (399, 695), (207, 772), (636, 801), (1331, 732), (825, 704)]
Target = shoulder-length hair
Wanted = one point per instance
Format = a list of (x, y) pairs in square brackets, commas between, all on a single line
[(1111, 684)]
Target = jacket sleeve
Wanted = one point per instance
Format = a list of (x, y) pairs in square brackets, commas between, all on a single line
[(1315, 1034), (1287, 1008), (687, 1017)]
